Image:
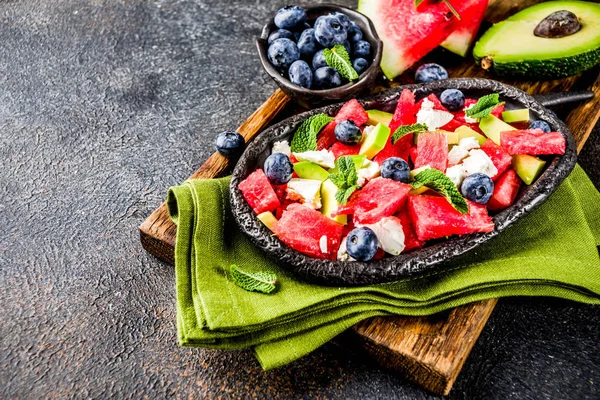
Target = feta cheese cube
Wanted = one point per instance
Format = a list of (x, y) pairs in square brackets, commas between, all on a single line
[(469, 143), (457, 174), (456, 155), (307, 191), (467, 118), (324, 158), (369, 170), (390, 234), (282, 147), (478, 161), (432, 118)]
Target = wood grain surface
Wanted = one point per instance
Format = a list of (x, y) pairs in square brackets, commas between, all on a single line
[(429, 351)]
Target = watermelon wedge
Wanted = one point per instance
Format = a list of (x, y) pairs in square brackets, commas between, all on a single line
[(434, 217), (409, 32), (411, 241), (505, 190), (354, 112), (326, 138), (302, 228), (501, 159), (463, 36), (432, 150), (533, 142), (404, 115), (258, 192), (340, 149)]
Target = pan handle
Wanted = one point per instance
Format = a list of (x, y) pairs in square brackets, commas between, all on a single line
[(560, 98)]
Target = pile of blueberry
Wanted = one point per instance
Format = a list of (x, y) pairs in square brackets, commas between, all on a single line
[(296, 48)]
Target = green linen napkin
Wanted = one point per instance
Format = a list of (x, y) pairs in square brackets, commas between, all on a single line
[(552, 252)]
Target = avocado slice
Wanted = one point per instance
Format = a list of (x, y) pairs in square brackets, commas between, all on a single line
[(464, 131), (310, 170), (268, 219), (510, 48), (528, 167), (328, 202), (492, 126), (520, 115), (375, 141), (377, 116)]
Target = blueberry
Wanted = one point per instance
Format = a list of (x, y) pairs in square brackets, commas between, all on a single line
[(282, 53), (280, 34), (540, 124), (477, 187), (354, 32), (230, 144), (301, 74), (452, 99), (278, 168), (430, 72), (347, 46), (329, 31), (395, 168), (290, 17), (362, 243), (318, 60), (296, 35), (343, 18), (347, 132), (326, 78), (362, 49), (360, 65), (307, 44)]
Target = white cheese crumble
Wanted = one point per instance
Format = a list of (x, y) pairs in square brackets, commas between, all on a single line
[(342, 254), (457, 174), (307, 191), (469, 143), (478, 161), (323, 244), (467, 118), (369, 170), (282, 147), (456, 155), (324, 158), (390, 234), (432, 118)]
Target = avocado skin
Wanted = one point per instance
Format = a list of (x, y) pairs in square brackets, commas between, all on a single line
[(551, 68)]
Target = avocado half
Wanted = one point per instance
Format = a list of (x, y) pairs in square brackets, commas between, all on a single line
[(509, 48)]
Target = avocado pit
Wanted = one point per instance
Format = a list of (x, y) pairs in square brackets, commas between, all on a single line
[(557, 25)]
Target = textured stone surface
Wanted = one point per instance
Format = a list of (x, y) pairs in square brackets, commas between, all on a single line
[(103, 106)]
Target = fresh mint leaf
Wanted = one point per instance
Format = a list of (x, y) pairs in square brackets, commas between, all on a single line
[(305, 138), (438, 181), (338, 58), (406, 129), (263, 281), (484, 106), (346, 180)]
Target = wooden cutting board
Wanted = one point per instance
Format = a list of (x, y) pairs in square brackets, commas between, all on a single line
[(429, 351)]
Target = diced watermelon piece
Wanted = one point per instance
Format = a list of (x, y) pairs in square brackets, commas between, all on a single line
[(405, 111), (413, 152), (399, 149), (379, 198), (293, 159), (461, 39), (533, 142), (326, 138), (301, 228), (497, 111), (501, 159), (284, 204), (379, 254), (352, 111), (505, 190), (280, 191), (258, 192), (437, 104), (411, 241), (340, 149), (432, 150), (434, 217)]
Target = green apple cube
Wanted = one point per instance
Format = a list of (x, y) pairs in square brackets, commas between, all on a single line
[(375, 141), (528, 167), (376, 117), (465, 131), (521, 115), (492, 126), (328, 202), (310, 170)]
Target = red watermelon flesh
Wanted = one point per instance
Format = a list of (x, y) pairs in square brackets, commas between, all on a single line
[(340, 149), (411, 241), (501, 159), (301, 228), (497, 111), (326, 138), (258, 192), (379, 198), (533, 142), (432, 150), (403, 115), (461, 39), (437, 104), (505, 190), (434, 217), (354, 112), (413, 154)]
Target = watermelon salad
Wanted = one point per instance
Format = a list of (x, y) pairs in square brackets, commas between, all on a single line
[(367, 184)]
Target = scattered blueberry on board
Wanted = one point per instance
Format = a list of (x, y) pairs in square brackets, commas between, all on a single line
[(278, 169), (396, 168), (540, 124), (362, 243), (295, 39), (478, 187), (430, 72), (230, 144)]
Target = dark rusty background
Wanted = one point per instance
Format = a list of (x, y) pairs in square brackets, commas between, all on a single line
[(103, 106)]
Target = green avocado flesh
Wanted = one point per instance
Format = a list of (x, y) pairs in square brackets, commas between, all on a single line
[(510, 48)]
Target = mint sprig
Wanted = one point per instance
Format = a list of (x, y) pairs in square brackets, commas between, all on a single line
[(305, 138), (338, 58), (484, 106), (452, 9), (263, 281), (346, 180), (438, 181), (404, 130)]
